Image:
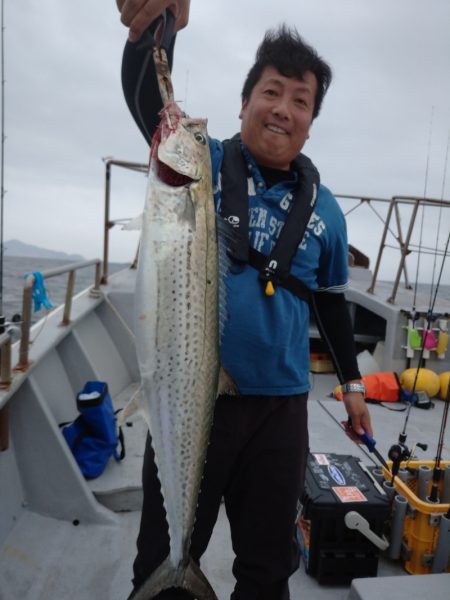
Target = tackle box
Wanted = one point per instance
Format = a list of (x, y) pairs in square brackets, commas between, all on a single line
[(334, 485), (422, 520)]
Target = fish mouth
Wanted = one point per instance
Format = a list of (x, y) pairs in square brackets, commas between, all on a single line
[(171, 177)]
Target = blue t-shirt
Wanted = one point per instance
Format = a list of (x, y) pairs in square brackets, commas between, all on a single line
[(265, 342)]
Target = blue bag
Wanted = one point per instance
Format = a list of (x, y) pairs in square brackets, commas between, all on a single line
[(93, 436)]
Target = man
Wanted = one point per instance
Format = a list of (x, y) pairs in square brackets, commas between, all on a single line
[(259, 441)]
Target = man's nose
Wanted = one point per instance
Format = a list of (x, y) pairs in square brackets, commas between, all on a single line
[(281, 108)]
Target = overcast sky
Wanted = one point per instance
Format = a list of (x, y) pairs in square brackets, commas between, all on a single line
[(386, 115)]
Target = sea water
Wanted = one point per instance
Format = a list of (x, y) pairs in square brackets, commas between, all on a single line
[(15, 270)]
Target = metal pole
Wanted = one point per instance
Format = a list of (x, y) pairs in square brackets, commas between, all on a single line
[(68, 302), (382, 245), (5, 358), (26, 323), (405, 251), (104, 279), (401, 244)]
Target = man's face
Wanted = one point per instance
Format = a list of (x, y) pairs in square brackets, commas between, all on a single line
[(277, 117)]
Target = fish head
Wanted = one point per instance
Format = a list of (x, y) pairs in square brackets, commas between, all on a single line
[(181, 147)]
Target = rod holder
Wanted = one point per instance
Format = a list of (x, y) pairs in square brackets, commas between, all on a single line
[(397, 522), (424, 476), (445, 493), (442, 552), (389, 489)]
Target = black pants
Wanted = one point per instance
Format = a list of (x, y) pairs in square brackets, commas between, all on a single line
[(256, 462)]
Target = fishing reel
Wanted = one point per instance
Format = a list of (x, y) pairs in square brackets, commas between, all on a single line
[(400, 452)]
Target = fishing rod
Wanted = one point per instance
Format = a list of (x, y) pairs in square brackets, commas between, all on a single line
[(437, 472), (399, 452), (434, 497), (2, 165), (423, 212)]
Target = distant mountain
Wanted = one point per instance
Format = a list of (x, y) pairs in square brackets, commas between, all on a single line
[(18, 248)]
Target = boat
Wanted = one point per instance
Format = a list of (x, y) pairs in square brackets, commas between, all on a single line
[(62, 536)]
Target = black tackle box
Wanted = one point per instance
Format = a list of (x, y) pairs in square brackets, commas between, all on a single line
[(334, 485)]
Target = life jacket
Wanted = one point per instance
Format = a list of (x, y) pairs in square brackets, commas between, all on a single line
[(380, 387), (273, 269)]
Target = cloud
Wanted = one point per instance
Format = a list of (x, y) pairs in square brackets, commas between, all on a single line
[(65, 109)]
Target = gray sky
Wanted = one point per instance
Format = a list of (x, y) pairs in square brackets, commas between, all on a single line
[(65, 108)]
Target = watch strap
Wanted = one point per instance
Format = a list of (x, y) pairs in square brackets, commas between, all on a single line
[(354, 387)]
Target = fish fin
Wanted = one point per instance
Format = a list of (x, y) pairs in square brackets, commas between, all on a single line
[(134, 224), (225, 236), (166, 576), (133, 406), (226, 384)]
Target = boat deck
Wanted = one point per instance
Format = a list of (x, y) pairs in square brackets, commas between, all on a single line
[(81, 555), (45, 558)]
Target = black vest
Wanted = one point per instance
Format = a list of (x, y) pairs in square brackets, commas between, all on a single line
[(274, 268)]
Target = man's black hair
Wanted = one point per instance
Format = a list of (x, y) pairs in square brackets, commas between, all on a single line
[(284, 49)]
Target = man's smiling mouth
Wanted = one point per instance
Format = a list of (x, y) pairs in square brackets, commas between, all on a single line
[(276, 129)]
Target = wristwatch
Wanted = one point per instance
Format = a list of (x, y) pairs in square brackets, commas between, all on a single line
[(354, 387)]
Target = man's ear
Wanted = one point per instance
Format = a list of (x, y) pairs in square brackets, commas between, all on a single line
[(244, 104)]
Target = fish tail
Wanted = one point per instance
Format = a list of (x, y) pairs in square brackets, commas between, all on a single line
[(187, 577)]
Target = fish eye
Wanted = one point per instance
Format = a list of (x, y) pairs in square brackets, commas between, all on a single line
[(200, 138)]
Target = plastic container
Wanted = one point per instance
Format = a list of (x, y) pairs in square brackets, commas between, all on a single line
[(334, 485), (421, 525)]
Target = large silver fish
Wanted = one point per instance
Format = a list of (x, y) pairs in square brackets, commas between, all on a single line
[(177, 332)]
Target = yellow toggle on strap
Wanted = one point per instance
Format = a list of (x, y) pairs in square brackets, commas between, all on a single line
[(270, 290)]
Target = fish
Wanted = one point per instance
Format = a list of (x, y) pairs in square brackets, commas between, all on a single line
[(177, 332)]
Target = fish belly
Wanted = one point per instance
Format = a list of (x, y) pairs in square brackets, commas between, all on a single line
[(177, 347)]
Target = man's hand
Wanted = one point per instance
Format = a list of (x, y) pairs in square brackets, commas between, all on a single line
[(139, 14), (358, 412)]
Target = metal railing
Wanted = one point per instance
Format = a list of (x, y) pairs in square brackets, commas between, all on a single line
[(392, 225), (28, 298), (5, 360), (108, 223)]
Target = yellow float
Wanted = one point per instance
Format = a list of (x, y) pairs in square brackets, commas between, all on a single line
[(444, 379), (427, 381)]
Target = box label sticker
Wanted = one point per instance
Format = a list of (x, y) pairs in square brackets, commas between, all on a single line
[(336, 474), (322, 459), (349, 494)]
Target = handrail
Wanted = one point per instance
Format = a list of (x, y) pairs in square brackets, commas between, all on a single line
[(108, 224), (5, 360), (27, 301), (404, 243)]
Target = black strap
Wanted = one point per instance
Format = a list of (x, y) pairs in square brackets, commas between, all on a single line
[(293, 284), (234, 198), (234, 209)]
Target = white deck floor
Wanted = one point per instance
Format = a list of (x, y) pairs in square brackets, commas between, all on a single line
[(47, 559)]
